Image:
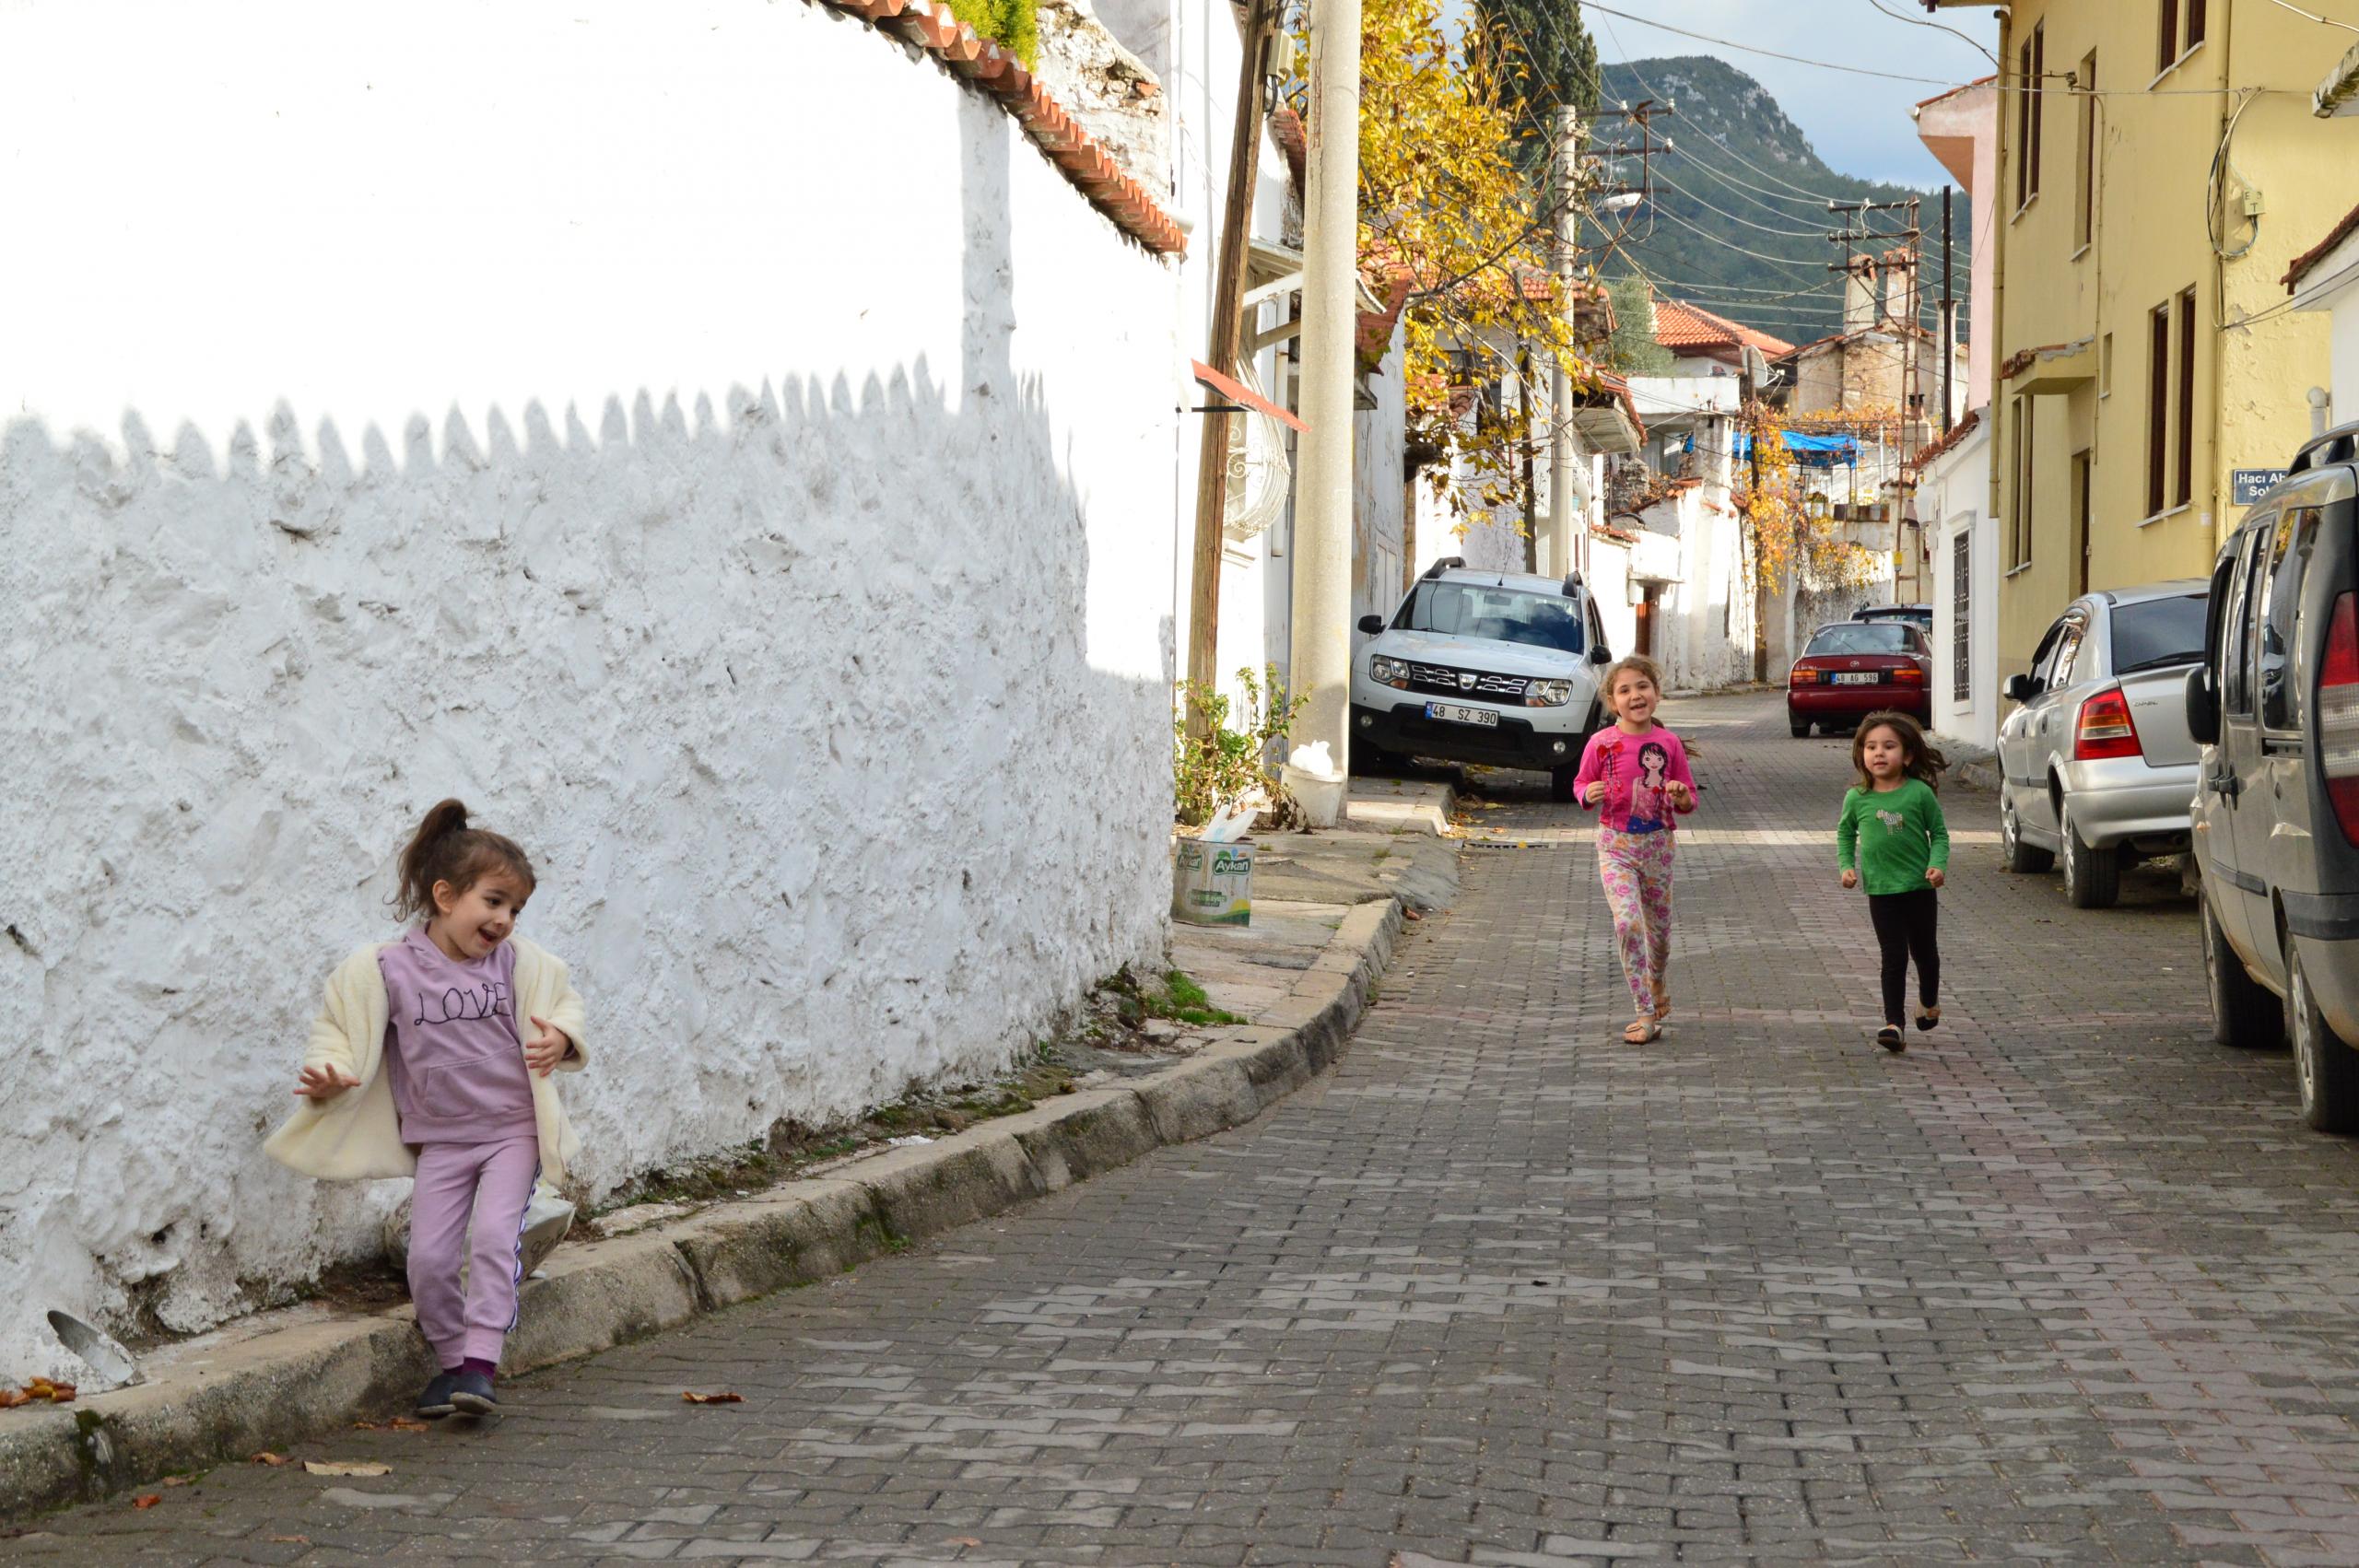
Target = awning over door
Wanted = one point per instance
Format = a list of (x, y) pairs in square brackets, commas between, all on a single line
[(1229, 387)]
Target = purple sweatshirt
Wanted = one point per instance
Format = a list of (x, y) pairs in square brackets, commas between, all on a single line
[(451, 1045)]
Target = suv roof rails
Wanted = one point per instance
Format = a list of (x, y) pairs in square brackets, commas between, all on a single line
[(1447, 563), (2338, 445)]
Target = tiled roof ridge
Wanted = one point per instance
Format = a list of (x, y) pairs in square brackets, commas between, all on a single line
[(1722, 329), (930, 25), (2308, 260)]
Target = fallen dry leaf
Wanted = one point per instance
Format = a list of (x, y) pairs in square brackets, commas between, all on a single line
[(364, 1426), (56, 1393), (148, 1499), (346, 1468), (404, 1424), (178, 1480), (696, 1398), (11, 1397), (962, 1541), (267, 1457)]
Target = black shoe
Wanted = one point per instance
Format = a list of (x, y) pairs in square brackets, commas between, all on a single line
[(435, 1403), (1927, 1016), (471, 1393), (1889, 1038)]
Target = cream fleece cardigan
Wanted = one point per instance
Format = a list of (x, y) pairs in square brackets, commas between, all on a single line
[(358, 1134)]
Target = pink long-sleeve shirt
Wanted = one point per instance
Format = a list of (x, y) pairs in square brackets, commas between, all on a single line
[(1638, 770)]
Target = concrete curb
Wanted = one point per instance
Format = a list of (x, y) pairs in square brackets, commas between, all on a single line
[(285, 1377)]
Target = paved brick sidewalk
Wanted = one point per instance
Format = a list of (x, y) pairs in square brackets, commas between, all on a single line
[(2064, 1282)]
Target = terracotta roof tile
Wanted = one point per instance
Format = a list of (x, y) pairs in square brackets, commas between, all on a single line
[(1681, 325), (1286, 128), (930, 27), (2318, 252)]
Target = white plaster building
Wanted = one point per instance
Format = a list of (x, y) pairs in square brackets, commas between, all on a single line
[(1954, 486), (729, 453), (2326, 278)]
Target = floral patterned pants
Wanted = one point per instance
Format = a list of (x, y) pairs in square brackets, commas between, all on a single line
[(1635, 869)]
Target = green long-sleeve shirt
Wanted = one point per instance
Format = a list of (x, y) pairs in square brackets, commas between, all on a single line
[(1893, 837)]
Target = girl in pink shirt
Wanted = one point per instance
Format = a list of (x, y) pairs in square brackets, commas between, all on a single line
[(1634, 774)]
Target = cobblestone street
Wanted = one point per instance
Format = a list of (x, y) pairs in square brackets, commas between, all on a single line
[(2066, 1282)]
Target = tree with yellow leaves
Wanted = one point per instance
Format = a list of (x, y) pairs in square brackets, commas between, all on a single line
[(1445, 211), (1786, 537)]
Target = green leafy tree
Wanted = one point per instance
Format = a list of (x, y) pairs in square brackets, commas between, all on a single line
[(1633, 349), (1554, 63)]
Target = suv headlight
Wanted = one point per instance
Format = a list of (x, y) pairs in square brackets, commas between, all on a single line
[(1389, 672), (1547, 694)]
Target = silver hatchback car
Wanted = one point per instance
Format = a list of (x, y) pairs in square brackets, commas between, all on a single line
[(2097, 762)]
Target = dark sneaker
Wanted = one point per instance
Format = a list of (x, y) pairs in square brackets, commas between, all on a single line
[(471, 1393), (1889, 1038), (435, 1403)]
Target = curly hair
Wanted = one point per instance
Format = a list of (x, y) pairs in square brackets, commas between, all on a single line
[(1628, 664), (1919, 759)]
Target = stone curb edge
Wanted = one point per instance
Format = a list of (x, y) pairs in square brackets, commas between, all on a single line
[(314, 1377)]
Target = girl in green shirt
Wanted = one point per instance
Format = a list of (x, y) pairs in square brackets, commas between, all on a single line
[(1893, 838)]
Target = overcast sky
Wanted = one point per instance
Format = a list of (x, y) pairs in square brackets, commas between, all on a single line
[(1859, 125)]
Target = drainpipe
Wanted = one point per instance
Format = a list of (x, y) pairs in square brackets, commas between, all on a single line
[(2213, 510)]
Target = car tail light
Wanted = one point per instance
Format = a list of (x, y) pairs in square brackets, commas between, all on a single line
[(1908, 675), (2104, 729), (2338, 717), (1803, 677)]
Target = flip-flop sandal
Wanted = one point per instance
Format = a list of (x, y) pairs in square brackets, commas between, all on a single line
[(1891, 1038), (1928, 1017), (1641, 1031)]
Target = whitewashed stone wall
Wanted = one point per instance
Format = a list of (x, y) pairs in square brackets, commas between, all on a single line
[(711, 442)]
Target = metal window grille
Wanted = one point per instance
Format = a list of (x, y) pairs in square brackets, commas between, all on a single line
[(1960, 616)]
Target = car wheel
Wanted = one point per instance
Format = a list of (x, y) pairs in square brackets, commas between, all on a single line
[(2327, 1069), (2244, 1013), (1801, 726), (1560, 783), (2092, 877), (2016, 855)]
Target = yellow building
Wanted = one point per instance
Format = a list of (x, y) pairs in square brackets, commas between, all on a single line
[(2144, 355)]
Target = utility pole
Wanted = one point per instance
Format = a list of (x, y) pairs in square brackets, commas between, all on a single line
[(1562, 555), (1949, 321), (1323, 533), (1212, 458)]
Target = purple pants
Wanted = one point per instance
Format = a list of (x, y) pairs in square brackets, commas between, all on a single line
[(488, 1184)]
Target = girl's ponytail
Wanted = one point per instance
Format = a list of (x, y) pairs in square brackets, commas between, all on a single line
[(444, 848), (414, 895)]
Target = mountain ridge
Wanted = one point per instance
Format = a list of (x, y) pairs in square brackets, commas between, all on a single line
[(1737, 222)]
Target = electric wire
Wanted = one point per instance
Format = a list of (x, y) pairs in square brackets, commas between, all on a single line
[(1733, 217), (2312, 15), (1937, 27)]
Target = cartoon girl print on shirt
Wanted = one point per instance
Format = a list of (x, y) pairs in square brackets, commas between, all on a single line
[(1648, 797)]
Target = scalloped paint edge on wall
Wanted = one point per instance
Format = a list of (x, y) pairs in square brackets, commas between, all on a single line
[(931, 27)]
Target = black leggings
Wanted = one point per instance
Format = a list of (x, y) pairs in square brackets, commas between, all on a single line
[(1905, 928)]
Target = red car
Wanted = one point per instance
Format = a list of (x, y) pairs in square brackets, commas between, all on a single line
[(1855, 668)]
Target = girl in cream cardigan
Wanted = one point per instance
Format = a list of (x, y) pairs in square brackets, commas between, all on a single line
[(432, 1058)]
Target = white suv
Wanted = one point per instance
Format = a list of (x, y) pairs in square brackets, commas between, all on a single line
[(1477, 666)]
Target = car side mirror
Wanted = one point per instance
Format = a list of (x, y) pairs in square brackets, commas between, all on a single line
[(1371, 623), (2202, 708), (2020, 689)]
